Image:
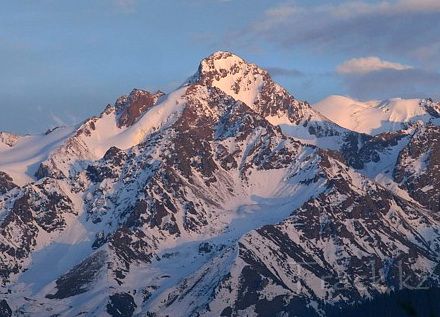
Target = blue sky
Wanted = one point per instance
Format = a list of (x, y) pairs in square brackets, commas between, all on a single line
[(62, 61)]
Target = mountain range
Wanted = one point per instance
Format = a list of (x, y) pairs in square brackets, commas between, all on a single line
[(225, 197)]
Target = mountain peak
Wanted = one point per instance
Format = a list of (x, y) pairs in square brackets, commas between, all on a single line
[(223, 55), (231, 74), (221, 60), (223, 63), (252, 85), (130, 108)]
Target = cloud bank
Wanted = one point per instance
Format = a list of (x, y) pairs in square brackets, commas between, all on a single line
[(407, 28)]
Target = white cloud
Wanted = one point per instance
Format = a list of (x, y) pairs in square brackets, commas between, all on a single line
[(369, 64)]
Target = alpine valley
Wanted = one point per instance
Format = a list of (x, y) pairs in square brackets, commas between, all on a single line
[(225, 197)]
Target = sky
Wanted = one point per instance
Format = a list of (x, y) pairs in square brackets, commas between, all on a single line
[(63, 61)]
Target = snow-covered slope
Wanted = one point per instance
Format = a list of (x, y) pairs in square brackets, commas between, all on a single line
[(374, 117), (22, 159), (204, 202)]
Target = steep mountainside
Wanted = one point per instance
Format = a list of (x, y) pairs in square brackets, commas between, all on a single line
[(254, 87), (227, 197), (352, 241), (418, 167)]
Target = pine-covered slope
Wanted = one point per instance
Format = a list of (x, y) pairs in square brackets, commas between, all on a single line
[(211, 201)]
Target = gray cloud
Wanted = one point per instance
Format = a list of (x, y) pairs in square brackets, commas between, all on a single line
[(407, 28), (409, 83), (283, 72)]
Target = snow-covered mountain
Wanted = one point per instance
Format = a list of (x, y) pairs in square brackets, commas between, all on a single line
[(226, 197), (375, 117)]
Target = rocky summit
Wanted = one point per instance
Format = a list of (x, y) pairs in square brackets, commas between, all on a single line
[(225, 197)]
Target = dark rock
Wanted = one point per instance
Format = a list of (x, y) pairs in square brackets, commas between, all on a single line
[(131, 108), (205, 247), (6, 183), (121, 305), (78, 280), (5, 310)]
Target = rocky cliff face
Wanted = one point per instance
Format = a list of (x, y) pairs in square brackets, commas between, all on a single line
[(418, 167), (226, 197), (132, 107)]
